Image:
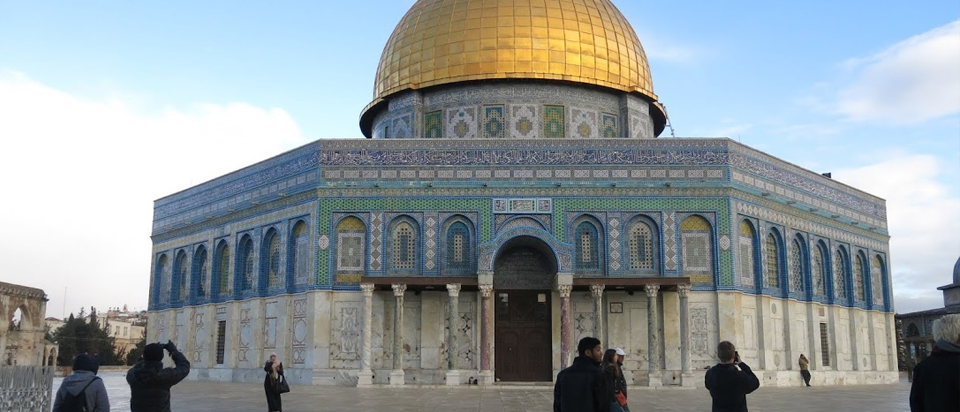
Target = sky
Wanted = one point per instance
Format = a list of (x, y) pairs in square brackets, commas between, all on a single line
[(106, 106)]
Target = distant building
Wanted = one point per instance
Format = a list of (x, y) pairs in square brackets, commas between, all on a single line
[(918, 326), (126, 327), (23, 340)]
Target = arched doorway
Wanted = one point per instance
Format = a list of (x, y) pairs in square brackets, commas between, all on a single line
[(524, 273)]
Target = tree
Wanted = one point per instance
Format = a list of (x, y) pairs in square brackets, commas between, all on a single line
[(134, 356), (79, 335)]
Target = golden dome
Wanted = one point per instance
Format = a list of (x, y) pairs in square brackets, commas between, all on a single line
[(447, 41)]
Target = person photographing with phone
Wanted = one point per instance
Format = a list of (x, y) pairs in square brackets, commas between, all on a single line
[(730, 381), (150, 382)]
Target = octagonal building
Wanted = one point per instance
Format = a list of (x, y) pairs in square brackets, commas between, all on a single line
[(511, 198)]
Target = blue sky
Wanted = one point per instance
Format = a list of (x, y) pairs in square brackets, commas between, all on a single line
[(106, 106)]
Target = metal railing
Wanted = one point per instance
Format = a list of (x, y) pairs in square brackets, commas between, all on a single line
[(26, 388)]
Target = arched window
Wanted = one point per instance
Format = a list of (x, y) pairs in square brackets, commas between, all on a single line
[(747, 253), (839, 276), (798, 264), (912, 330), (222, 269), (199, 275), (245, 274), (270, 274), (643, 244), (696, 249), (300, 254), (350, 245), (162, 292), (771, 263), (180, 278), (586, 241), (876, 280), (458, 248), (859, 291), (404, 245), (819, 271)]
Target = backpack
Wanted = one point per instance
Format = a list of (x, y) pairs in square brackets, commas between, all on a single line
[(78, 402)]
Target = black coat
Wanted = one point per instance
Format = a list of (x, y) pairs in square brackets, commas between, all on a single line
[(936, 381), (729, 387), (581, 388), (150, 383)]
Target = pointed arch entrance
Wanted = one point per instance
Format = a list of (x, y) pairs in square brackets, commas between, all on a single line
[(524, 271)]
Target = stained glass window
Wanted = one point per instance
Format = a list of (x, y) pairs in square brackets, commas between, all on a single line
[(404, 246), (223, 269), (300, 254), (586, 244), (696, 249), (245, 265), (771, 275), (746, 254), (163, 281), (351, 233), (458, 247), (858, 287), (876, 280), (274, 275), (839, 275), (797, 264), (819, 288), (641, 247), (200, 272), (181, 276)]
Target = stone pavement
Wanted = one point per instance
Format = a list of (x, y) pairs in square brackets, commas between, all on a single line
[(237, 397)]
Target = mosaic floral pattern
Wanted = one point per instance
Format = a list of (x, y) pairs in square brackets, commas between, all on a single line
[(553, 122), (609, 125), (494, 122), (433, 124)]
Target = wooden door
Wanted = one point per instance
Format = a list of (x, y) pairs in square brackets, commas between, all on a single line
[(524, 342)]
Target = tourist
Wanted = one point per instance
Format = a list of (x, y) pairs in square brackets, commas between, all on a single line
[(82, 390), (621, 355), (612, 374), (273, 383), (150, 382), (805, 369), (936, 379), (582, 387), (730, 381)]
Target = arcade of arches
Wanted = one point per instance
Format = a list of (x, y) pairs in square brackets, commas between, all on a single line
[(22, 339)]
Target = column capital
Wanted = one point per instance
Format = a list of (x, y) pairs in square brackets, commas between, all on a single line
[(597, 290), (486, 291), (367, 289), (453, 289), (398, 289), (683, 290), (651, 290), (565, 290)]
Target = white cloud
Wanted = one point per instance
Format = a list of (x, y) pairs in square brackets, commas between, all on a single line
[(80, 177), (923, 224), (910, 82)]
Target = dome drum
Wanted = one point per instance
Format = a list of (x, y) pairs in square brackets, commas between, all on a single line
[(514, 109)]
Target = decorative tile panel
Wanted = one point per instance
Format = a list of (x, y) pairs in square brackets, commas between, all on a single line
[(494, 122), (462, 123), (609, 125), (583, 123), (433, 125), (298, 330), (670, 240), (524, 121), (553, 122)]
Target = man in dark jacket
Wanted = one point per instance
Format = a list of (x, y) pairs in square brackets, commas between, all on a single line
[(582, 387), (730, 381), (83, 380), (150, 382), (936, 379)]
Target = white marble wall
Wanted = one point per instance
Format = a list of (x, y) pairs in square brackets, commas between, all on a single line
[(318, 335)]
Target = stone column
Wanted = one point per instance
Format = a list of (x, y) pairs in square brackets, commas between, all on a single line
[(653, 336), (397, 376), (597, 291), (453, 349), (365, 377), (566, 325), (486, 334), (686, 378)]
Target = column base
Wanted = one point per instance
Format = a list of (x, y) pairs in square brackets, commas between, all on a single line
[(687, 380), (655, 379), (486, 378), (396, 377), (453, 378), (365, 379)]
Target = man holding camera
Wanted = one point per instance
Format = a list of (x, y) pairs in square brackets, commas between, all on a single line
[(150, 382), (730, 380)]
